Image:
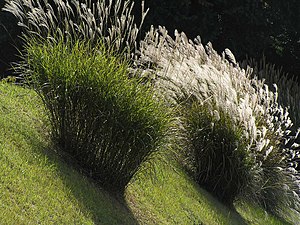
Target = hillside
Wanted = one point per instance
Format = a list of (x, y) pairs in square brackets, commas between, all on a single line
[(38, 187)]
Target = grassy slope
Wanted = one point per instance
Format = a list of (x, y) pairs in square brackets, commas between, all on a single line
[(173, 198), (38, 187), (35, 186)]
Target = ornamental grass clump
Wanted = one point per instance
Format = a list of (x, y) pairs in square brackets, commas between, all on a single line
[(76, 57), (251, 130), (108, 123), (217, 158)]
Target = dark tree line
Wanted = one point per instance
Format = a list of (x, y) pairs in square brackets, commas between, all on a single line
[(250, 28)]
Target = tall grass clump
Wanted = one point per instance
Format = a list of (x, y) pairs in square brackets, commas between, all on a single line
[(76, 56), (217, 159), (107, 122), (226, 112)]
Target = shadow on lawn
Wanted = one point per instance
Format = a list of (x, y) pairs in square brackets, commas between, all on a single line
[(100, 205), (103, 207), (233, 216)]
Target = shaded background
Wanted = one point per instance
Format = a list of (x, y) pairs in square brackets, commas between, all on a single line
[(9, 41)]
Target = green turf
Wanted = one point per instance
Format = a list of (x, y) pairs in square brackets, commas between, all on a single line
[(38, 187), (171, 197)]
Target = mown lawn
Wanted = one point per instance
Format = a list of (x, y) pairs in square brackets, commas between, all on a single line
[(38, 187)]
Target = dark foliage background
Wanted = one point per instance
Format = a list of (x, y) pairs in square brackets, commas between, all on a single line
[(9, 41), (250, 28)]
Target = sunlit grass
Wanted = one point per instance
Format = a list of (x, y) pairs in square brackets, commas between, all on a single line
[(35, 185), (179, 70), (255, 215), (173, 198), (169, 196)]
